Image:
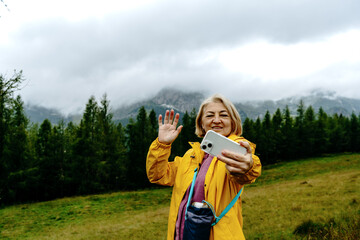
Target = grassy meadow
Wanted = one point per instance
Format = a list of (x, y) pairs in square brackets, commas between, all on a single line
[(317, 198)]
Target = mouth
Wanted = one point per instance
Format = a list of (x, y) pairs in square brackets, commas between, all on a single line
[(216, 128)]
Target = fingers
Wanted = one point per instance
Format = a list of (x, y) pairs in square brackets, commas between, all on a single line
[(160, 120), (246, 145), (166, 120), (178, 130), (233, 166), (169, 118), (236, 163), (176, 120), (232, 155)]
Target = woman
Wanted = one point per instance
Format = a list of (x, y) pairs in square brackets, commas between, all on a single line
[(219, 179)]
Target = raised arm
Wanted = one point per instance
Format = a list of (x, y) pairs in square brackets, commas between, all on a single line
[(159, 170)]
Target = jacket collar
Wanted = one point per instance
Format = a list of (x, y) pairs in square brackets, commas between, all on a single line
[(234, 137), (199, 154)]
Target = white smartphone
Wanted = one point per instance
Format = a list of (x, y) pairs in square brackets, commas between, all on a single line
[(213, 143)]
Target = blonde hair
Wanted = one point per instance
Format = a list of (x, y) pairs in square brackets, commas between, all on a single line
[(236, 127)]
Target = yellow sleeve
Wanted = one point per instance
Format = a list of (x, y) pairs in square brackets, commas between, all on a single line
[(253, 173), (158, 169)]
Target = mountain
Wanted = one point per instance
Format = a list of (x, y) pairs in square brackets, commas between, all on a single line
[(39, 114), (182, 102), (187, 101), (165, 99), (329, 101)]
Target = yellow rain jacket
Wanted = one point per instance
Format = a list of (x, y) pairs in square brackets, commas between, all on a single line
[(220, 187)]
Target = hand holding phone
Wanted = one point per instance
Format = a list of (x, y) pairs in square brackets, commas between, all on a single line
[(236, 156)]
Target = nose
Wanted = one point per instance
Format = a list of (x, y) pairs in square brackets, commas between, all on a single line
[(217, 119)]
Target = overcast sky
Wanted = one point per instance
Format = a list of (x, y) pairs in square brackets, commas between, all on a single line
[(130, 50)]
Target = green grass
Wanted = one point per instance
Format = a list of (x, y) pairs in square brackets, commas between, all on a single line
[(302, 169), (78, 215), (316, 198), (289, 195)]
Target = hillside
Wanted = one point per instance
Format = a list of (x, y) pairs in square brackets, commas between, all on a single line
[(187, 101), (313, 196)]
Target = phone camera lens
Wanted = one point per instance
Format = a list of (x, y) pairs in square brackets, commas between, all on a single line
[(203, 147), (209, 145)]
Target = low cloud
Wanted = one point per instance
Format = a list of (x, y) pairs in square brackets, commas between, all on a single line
[(132, 55)]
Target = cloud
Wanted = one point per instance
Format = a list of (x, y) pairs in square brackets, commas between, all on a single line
[(132, 54)]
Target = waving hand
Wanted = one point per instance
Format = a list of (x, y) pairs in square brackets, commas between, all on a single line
[(168, 130)]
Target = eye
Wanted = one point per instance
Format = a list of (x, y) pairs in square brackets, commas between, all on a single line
[(224, 115)]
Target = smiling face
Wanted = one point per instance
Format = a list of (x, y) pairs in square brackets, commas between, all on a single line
[(217, 118)]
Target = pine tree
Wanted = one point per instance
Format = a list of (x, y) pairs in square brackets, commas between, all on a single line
[(59, 151), (138, 143), (105, 140), (154, 125), (288, 142), (354, 133), (47, 164), (192, 126), (309, 130), (18, 152), (277, 121), (133, 148), (7, 88), (110, 148), (344, 126), (85, 163), (248, 129), (321, 140), (338, 140), (18, 145), (258, 136), (119, 172), (182, 142), (267, 140), (70, 180), (299, 128), (31, 175)]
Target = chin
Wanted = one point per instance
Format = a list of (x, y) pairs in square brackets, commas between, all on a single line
[(218, 130), (226, 134)]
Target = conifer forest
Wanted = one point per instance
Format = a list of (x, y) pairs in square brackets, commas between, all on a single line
[(46, 161)]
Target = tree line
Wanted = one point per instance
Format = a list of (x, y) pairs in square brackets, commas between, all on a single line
[(44, 161), (282, 137)]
